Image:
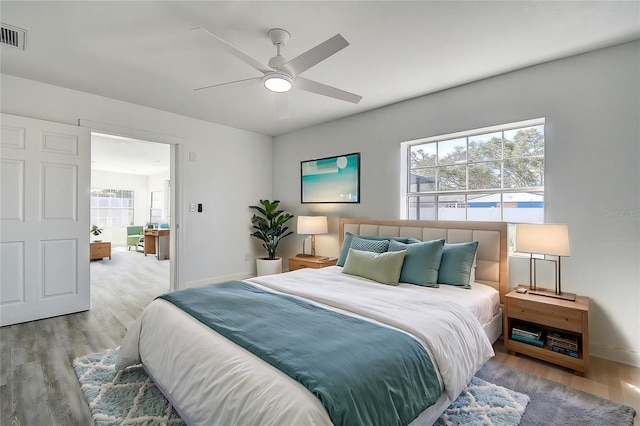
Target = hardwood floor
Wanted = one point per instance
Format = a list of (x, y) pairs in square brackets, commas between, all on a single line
[(38, 386)]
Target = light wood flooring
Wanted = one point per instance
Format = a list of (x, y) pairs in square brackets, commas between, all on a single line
[(38, 386)]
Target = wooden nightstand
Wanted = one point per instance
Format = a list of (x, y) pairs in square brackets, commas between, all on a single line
[(314, 262), (550, 315), (100, 250)]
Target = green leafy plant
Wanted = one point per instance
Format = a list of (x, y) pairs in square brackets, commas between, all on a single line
[(269, 226), (95, 230)]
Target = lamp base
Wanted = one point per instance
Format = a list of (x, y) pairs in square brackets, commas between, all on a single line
[(305, 255), (551, 293)]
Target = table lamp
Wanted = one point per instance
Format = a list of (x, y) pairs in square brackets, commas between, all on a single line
[(546, 239), (311, 225)]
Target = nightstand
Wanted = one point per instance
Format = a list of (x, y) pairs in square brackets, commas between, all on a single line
[(314, 262), (551, 315)]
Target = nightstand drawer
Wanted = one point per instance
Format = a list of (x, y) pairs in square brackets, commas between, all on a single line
[(552, 315)]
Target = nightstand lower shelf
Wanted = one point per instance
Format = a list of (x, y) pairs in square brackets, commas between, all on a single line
[(546, 354)]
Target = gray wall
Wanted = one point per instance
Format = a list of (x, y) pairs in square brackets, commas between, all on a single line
[(591, 104)]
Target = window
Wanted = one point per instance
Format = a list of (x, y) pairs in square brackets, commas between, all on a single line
[(490, 174), (157, 205), (111, 207)]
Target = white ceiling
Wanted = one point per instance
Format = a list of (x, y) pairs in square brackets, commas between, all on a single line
[(131, 156), (143, 52)]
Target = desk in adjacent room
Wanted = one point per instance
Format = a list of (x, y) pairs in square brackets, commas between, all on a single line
[(156, 241)]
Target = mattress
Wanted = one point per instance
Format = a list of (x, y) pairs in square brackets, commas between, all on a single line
[(210, 380)]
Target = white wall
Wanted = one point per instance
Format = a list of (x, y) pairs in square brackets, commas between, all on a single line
[(158, 182), (233, 169), (139, 184), (591, 103)]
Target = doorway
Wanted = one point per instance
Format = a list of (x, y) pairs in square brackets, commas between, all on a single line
[(131, 192)]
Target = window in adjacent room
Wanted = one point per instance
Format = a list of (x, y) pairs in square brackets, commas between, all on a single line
[(157, 205), (111, 207), (489, 174)]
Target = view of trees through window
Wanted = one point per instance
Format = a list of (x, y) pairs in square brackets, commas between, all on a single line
[(111, 207), (488, 176)]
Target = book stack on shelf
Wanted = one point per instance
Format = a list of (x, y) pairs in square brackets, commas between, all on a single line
[(563, 343), (527, 334)]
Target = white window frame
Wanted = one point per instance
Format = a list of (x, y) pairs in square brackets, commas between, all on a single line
[(405, 167)]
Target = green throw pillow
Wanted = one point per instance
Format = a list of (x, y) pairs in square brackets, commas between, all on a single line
[(421, 262), (381, 267), (456, 264), (348, 236)]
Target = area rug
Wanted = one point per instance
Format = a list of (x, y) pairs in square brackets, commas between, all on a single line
[(130, 397), (126, 397), (553, 403)]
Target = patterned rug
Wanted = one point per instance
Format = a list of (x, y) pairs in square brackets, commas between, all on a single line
[(130, 397), (126, 397)]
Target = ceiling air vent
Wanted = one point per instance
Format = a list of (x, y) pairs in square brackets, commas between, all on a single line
[(12, 36)]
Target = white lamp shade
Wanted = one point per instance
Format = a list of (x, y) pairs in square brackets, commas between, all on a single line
[(312, 225), (542, 238)]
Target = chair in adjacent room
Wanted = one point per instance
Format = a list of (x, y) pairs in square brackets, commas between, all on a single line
[(135, 237)]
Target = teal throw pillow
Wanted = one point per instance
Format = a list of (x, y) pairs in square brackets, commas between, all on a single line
[(421, 263), (348, 236), (456, 264), (375, 246), (381, 267)]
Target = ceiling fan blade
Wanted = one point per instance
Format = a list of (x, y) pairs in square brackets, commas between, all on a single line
[(239, 83), (322, 89), (282, 104), (235, 51), (303, 62)]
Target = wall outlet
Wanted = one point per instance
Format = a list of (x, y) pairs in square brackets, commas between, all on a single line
[(192, 207), (247, 257)]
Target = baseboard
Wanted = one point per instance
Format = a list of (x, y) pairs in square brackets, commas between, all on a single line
[(623, 356), (219, 279)]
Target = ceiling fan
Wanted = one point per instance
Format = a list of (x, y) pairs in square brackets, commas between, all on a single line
[(282, 75)]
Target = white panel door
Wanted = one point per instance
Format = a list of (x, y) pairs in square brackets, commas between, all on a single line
[(44, 219)]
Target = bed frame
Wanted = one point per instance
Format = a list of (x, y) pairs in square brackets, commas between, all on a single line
[(491, 259)]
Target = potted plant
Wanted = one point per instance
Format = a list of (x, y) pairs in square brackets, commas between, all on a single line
[(95, 231), (269, 225)]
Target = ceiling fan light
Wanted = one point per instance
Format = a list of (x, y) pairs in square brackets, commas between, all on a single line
[(278, 82)]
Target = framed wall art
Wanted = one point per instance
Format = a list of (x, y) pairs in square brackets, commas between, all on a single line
[(331, 179)]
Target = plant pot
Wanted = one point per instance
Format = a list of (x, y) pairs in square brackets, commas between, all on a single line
[(268, 267)]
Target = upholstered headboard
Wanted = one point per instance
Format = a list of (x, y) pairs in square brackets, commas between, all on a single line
[(491, 259)]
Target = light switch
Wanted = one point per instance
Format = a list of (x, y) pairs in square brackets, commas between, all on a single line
[(192, 207)]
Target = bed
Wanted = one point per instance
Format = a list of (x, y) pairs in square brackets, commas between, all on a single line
[(211, 378)]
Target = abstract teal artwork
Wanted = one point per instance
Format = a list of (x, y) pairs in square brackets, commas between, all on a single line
[(331, 180)]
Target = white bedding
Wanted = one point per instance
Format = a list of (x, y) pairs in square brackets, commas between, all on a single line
[(213, 381), (482, 301)]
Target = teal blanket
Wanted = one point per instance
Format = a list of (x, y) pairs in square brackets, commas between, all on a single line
[(363, 373)]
